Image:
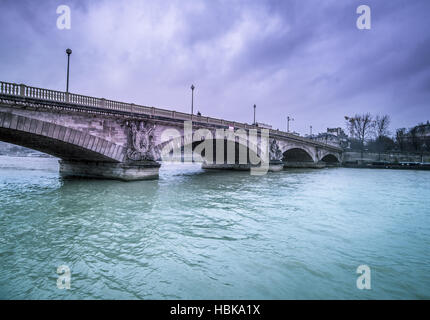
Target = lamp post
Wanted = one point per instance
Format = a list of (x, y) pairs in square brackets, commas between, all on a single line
[(69, 52), (255, 107), (288, 123), (311, 130), (192, 98)]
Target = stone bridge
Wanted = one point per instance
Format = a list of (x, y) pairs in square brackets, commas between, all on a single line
[(100, 138)]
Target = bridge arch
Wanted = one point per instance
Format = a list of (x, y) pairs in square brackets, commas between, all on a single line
[(179, 143), (297, 154), (330, 158), (57, 140)]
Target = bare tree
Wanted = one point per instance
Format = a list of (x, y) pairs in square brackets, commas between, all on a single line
[(360, 127), (414, 133), (400, 138), (381, 124)]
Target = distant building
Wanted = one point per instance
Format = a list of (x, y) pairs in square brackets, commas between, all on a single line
[(336, 131), (422, 130), (333, 136), (14, 150), (414, 139)]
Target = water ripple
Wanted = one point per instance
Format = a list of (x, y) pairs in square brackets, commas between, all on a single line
[(214, 235)]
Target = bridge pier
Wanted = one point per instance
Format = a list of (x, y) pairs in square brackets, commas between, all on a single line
[(226, 166), (125, 171), (304, 164), (276, 166)]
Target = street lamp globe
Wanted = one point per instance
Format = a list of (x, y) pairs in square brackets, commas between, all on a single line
[(69, 52), (192, 87)]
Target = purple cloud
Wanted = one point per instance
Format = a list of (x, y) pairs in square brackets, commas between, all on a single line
[(299, 58)]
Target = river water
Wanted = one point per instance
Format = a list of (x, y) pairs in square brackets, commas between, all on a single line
[(296, 234)]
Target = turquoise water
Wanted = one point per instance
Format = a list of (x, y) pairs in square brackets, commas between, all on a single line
[(297, 234)]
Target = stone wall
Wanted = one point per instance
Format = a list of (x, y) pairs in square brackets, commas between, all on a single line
[(389, 157)]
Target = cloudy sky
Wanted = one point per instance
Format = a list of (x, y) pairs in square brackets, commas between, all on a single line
[(304, 58)]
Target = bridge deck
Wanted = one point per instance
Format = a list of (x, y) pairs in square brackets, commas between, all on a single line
[(22, 91)]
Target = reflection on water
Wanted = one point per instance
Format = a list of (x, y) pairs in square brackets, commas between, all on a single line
[(219, 234)]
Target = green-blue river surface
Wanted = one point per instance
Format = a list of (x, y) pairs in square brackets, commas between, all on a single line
[(192, 234)]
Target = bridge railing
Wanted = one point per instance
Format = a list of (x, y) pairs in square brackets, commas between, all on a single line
[(44, 94), (13, 89), (9, 88)]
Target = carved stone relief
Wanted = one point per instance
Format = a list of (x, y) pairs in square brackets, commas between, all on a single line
[(141, 141), (275, 151)]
